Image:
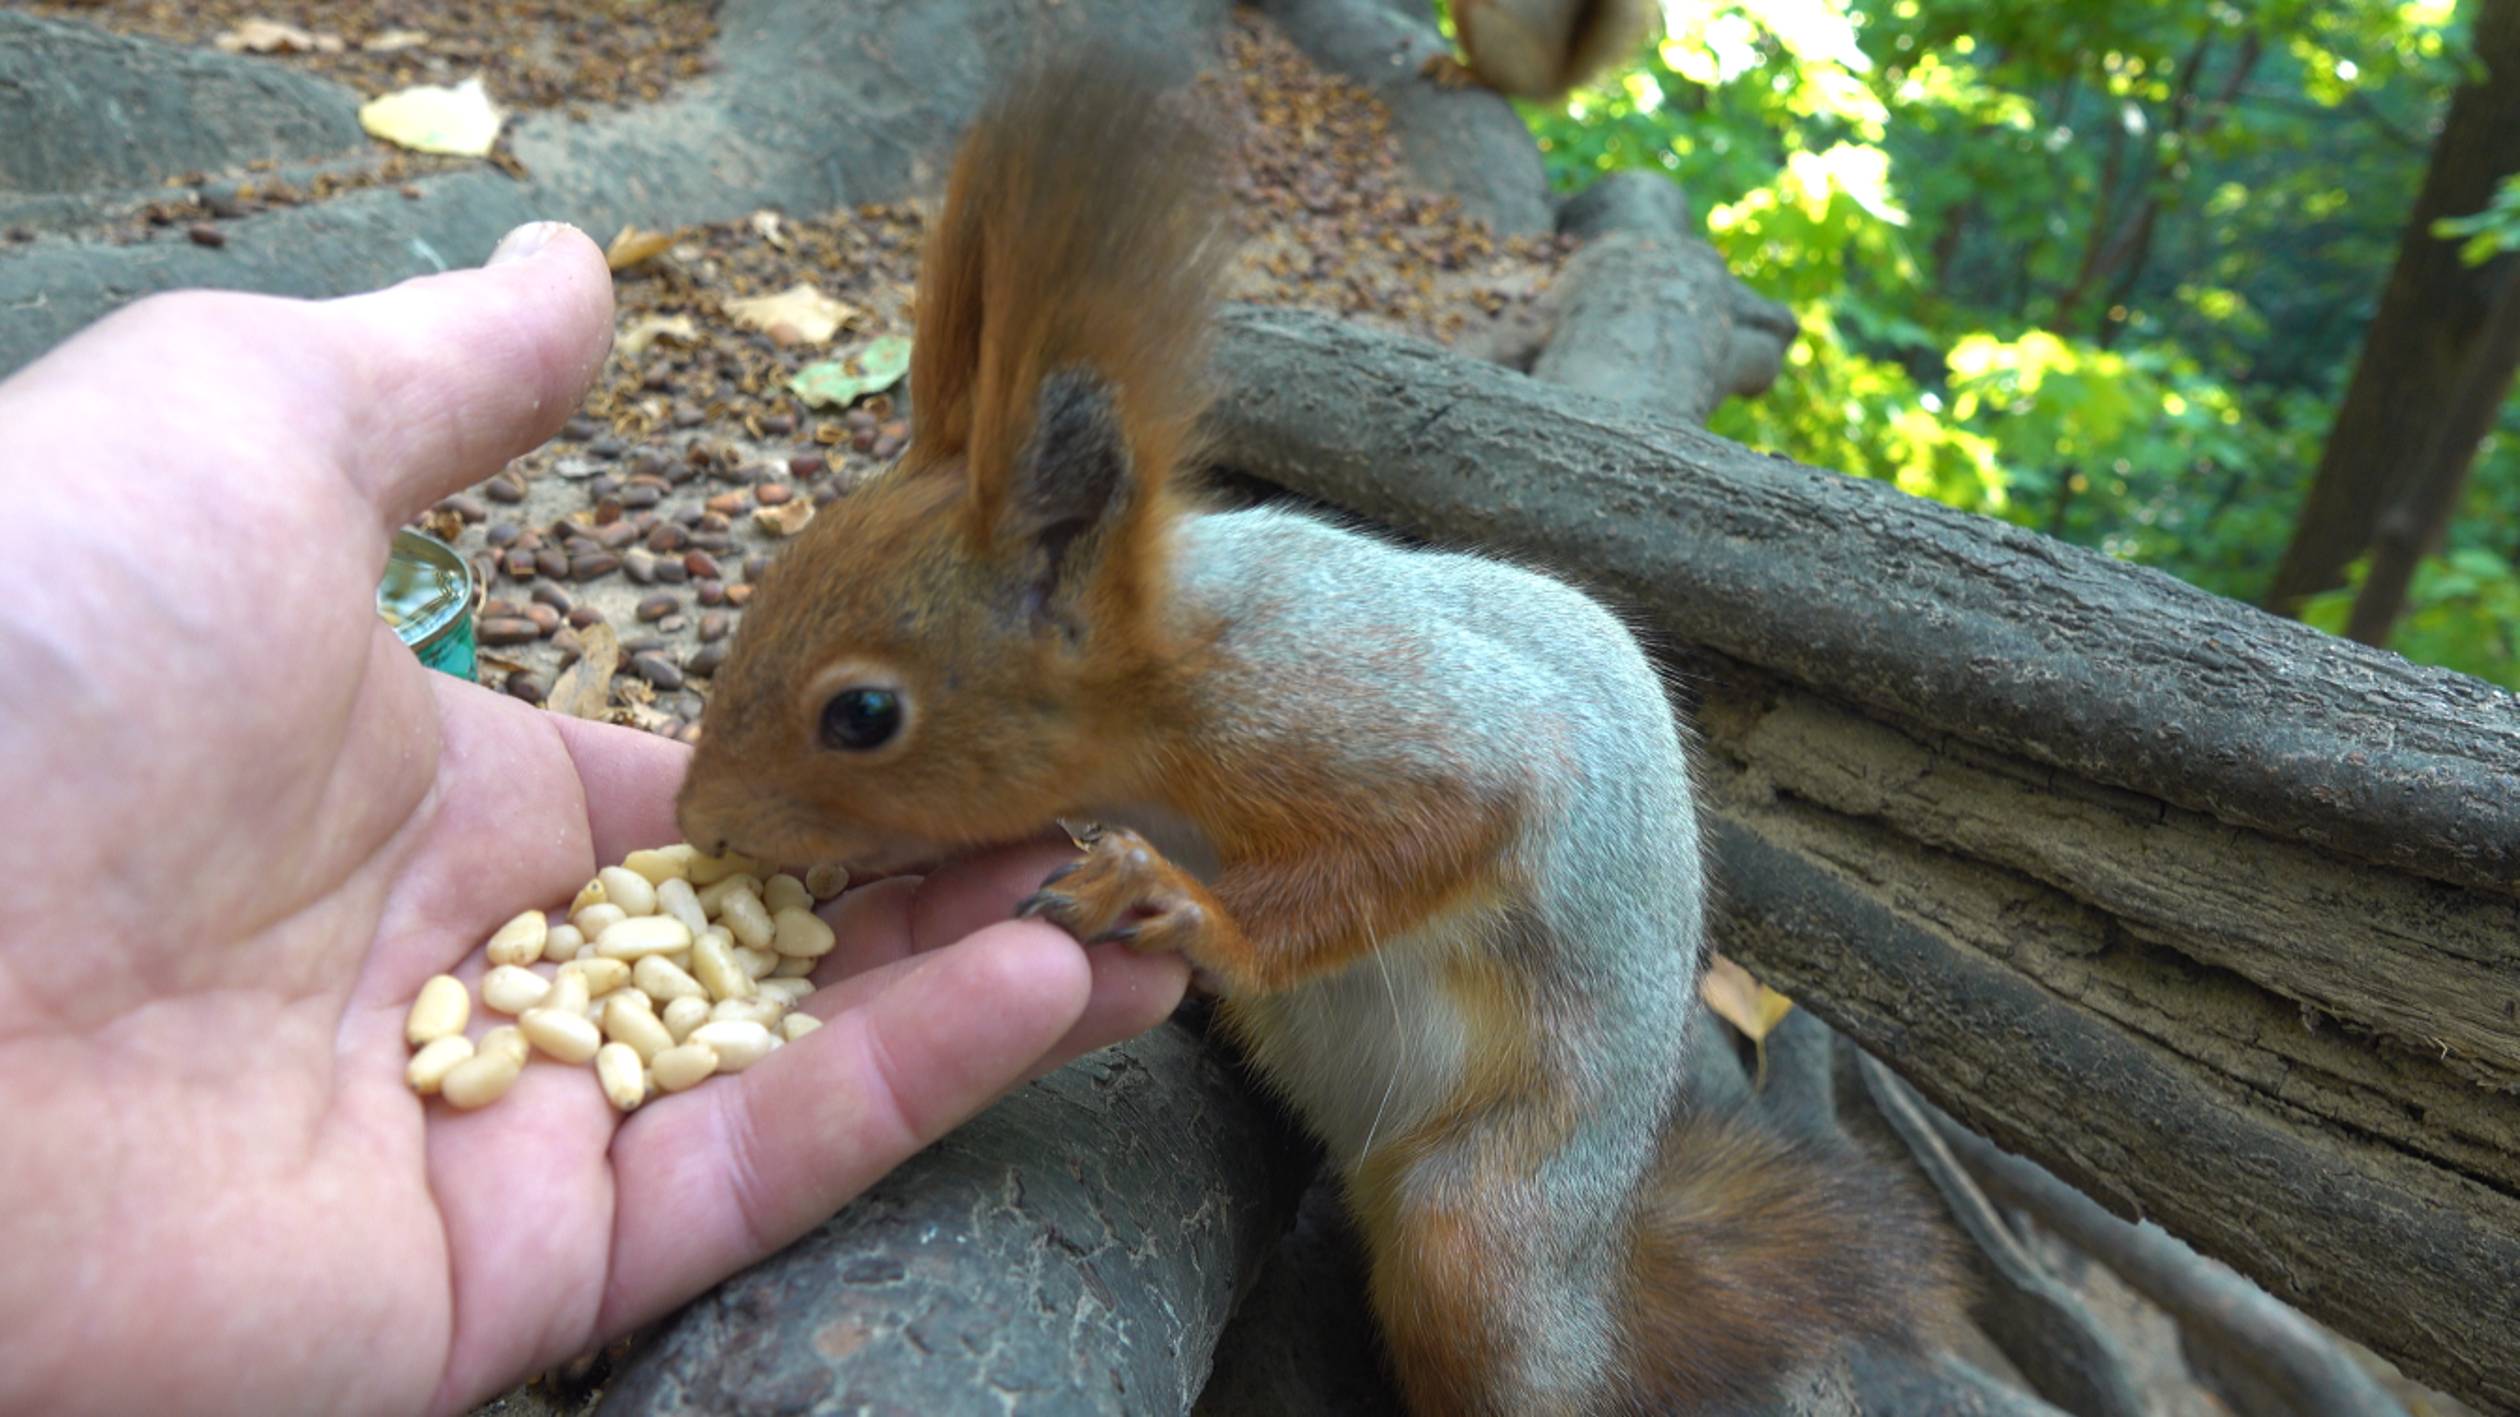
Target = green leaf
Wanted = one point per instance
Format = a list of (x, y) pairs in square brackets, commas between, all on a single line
[(837, 383)]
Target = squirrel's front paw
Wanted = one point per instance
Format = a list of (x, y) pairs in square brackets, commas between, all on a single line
[(1124, 891)]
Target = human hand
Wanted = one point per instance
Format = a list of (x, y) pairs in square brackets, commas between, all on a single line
[(246, 824)]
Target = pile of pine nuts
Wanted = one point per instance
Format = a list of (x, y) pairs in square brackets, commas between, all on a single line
[(668, 969)]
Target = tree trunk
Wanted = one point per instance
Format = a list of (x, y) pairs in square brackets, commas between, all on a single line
[(2414, 526), (2430, 341)]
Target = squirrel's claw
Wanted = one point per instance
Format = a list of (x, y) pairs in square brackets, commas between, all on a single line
[(1121, 891)]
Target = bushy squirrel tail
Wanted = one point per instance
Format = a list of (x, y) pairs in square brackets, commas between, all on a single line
[(1753, 1253), (1081, 234)]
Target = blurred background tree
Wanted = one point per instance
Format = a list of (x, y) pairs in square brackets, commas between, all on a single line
[(2109, 270)]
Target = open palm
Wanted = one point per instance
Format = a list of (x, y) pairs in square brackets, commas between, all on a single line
[(243, 825)]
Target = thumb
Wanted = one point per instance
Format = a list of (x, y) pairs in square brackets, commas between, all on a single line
[(454, 374)]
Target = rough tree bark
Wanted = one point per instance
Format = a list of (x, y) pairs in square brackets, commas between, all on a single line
[(2215, 916), (2413, 526), (2404, 422), (1076, 1248)]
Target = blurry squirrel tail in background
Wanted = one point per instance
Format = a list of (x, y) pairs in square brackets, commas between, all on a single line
[(1539, 49)]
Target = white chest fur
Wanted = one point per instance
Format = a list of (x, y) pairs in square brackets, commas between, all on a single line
[(1365, 1054)]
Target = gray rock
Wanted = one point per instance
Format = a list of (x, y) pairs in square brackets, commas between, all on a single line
[(90, 112)]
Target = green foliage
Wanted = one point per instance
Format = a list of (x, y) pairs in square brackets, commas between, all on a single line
[(2096, 268), (2490, 232)]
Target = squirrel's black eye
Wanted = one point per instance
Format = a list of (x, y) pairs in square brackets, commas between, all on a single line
[(859, 719)]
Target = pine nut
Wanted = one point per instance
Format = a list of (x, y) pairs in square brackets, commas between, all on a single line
[(507, 1038), (430, 1065), (801, 932), (636, 1024), (664, 982), (761, 1011), (741, 913), (442, 1009), (643, 935), (481, 1079), (624, 1077), (663, 863), (521, 940), (602, 976), (708, 870), (738, 1044), (629, 890), (594, 920), (684, 1065), (789, 992), (713, 964), (785, 892), (677, 899), (569, 994), (565, 1036), (713, 897), (512, 989), (685, 1014), (670, 967)]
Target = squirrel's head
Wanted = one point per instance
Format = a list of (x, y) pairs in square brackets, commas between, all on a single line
[(977, 641), (941, 661)]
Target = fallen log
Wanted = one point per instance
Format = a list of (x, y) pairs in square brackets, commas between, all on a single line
[(1648, 312), (2211, 914), (1076, 1248)]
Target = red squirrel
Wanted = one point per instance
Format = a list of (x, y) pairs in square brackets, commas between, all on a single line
[(1423, 818)]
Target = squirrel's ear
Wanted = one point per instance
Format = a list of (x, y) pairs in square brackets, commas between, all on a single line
[(1068, 491)]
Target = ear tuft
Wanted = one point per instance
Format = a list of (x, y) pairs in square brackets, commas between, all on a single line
[(1070, 484)]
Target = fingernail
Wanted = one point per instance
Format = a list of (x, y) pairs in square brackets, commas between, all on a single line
[(524, 241)]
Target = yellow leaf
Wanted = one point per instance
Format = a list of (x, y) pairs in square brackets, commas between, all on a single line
[(630, 246), (259, 36), (642, 333), (799, 314), (785, 519), (394, 41), (430, 119), (1745, 1003)]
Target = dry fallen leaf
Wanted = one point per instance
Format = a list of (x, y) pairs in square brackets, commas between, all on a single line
[(785, 519), (813, 316), (460, 121), (630, 246), (645, 719), (765, 224), (584, 689), (260, 36), (640, 333), (394, 41), (1744, 1003)]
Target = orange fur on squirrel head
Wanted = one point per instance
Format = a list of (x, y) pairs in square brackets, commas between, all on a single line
[(975, 641)]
